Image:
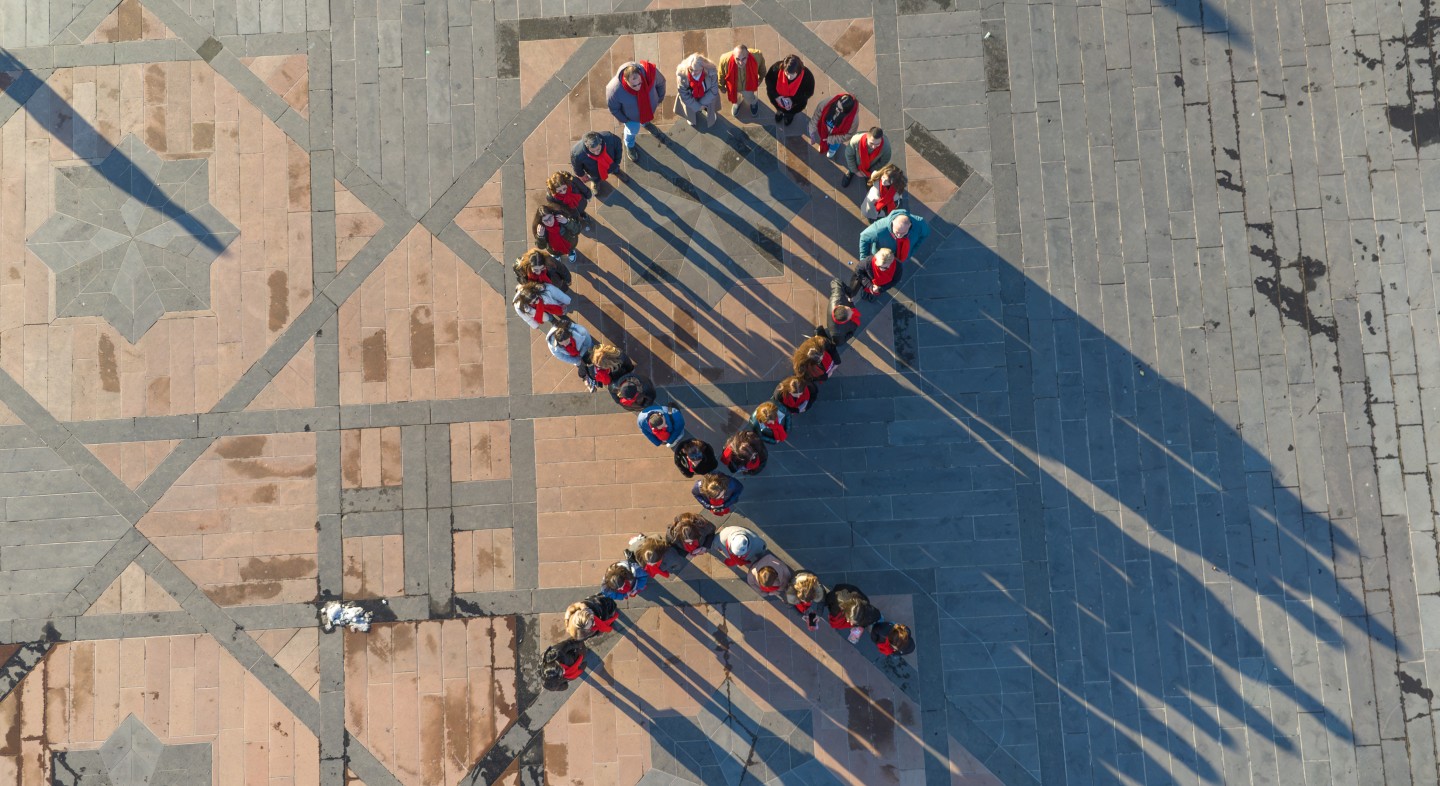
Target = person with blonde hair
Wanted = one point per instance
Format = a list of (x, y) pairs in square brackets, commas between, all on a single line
[(815, 359), (651, 552), (691, 533), (892, 638), (771, 422), (593, 615), (697, 90), (605, 364), (807, 595), (538, 303), (876, 274), (742, 72), (717, 492)]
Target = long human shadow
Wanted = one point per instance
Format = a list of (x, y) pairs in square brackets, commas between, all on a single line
[(1210, 16), (117, 168)]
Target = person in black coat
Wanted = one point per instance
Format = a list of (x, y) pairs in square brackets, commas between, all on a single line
[(745, 453), (796, 394), (843, 321), (694, 456), (596, 157), (633, 392), (789, 85), (848, 607), (892, 638)]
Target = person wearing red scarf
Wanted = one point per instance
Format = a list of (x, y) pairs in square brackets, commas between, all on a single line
[(694, 456), (632, 392), (717, 493), (596, 157), (831, 126), (537, 303), (847, 607), (537, 266), (633, 96), (744, 453), (605, 365), (887, 189), (892, 638), (789, 85), (555, 231), (562, 663), (901, 232), (796, 394), (569, 194), (569, 342), (844, 318), (864, 154), (769, 576), (593, 615), (741, 72), (815, 359), (697, 90), (650, 551), (771, 422), (625, 579), (807, 595)]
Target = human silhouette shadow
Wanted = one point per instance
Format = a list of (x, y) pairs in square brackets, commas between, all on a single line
[(117, 168)]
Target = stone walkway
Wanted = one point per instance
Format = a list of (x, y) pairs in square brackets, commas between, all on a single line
[(1140, 449)]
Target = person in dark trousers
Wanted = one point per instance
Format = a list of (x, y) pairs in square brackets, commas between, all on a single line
[(892, 638), (594, 615), (789, 85), (561, 663), (848, 607), (555, 230), (633, 97), (875, 275), (596, 157), (567, 192), (632, 392), (694, 456), (605, 364), (691, 534), (887, 192), (745, 453), (624, 580), (900, 232), (569, 341), (865, 153), (796, 394), (844, 317), (815, 359), (738, 547), (807, 595), (717, 493), (662, 425), (540, 267), (742, 70), (771, 422), (831, 126)]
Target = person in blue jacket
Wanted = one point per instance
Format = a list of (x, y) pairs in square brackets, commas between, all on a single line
[(625, 579), (717, 492), (900, 232), (662, 425)]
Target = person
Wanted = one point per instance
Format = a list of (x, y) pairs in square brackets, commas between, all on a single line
[(892, 638), (844, 321), (596, 157), (537, 265), (554, 231), (815, 359), (569, 341), (691, 533), (537, 303), (771, 422), (848, 607), (650, 551), (662, 425), (744, 453), (795, 394), (697, 90), (865, 153), (593, 615), (633, 96), (632, 392), (769, 576), (717, 492), (625, 579), (807, 595), (694, 456), (789, 84), (900, 232), (738, 546), (831, 126), (887, 192), (561, 663), (875, 275), (569, 193), (741, 71), (605, 364)]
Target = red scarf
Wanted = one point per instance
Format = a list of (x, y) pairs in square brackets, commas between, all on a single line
[(570, 199), (885, 202), (883, 278), (867, 155), (884, 646), (626, 588), (803, 606), (732, 78), (606, 625), (854, 317), (602, 375), (689, 548), (628, 401), (776, 430), (692, 464), (796, 402), (697, 86), (764, 588), (786, 86), (662, 433), (902, 248), (642, 96), (556, 238), (736, 562), (825, 129), (827, 364), (573, 670), (839, 622), (602, 162), (543, 276), (571, 347), (542, 308), (655, 570)]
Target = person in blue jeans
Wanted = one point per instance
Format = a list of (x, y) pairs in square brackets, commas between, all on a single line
[(633, 97), (662, 425)]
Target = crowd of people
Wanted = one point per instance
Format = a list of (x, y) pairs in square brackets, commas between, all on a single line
[(543, 301)]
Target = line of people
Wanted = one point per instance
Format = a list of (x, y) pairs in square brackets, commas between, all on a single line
[(542, 298)]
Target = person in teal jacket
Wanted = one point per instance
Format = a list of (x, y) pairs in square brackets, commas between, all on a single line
[(900, 232)]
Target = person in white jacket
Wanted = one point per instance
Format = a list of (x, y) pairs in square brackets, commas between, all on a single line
[(697, 89), (538, 303), (569, 342)]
